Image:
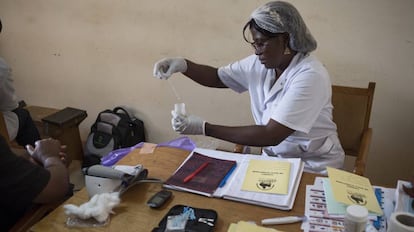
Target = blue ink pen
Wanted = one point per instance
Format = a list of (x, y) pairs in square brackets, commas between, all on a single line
[(226, 177)]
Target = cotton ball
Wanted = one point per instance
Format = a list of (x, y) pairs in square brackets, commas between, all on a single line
[(98, 207)]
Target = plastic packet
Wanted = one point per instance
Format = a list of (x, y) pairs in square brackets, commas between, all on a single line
[(176, 223), (76, 222)]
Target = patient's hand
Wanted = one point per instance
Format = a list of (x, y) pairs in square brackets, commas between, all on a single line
[(47, 148)]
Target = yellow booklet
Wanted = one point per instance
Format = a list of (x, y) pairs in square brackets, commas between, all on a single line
[(350, 189), (243, 226), (267, 176)]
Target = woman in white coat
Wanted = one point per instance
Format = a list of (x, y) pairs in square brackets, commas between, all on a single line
[(290, 91)]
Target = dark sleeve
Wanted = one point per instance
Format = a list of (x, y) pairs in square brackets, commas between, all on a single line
[(20, 182)]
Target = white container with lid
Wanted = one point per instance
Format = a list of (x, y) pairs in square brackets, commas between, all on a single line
[(356, 218)]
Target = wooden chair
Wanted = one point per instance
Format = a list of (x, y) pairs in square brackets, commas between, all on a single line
[(352, 112)]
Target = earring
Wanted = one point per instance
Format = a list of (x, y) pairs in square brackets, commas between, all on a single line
[(287, 51)]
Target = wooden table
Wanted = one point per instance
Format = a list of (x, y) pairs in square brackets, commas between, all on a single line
[(134, 215)]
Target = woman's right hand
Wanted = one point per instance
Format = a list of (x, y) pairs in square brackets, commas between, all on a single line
[(164, 68)]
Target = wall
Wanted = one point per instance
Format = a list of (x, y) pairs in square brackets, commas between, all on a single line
[(97, 54)]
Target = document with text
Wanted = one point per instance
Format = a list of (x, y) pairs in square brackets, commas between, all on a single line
[(286, 175)]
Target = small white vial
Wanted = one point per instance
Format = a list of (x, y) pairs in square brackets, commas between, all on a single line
[(356, 218), (179, 108)]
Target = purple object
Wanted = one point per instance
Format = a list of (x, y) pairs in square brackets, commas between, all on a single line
[(118, 154), (184, 143), (114, 156)]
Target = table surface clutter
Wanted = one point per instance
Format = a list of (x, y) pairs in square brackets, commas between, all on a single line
[(133, 213)]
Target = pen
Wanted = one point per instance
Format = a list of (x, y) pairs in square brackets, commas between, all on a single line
[(226, 177), (193, 174), (283, 220)]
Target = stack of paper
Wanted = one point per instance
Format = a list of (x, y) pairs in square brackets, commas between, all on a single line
[(318, 218), (349, 189), (327, 200), (257, 179)]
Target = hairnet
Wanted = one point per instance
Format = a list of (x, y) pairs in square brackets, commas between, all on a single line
[(281, 17)]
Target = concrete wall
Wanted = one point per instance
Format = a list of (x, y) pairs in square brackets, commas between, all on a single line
[(97, 54)]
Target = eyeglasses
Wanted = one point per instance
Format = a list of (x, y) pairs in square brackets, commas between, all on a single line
[(259, 44), (256, 44)]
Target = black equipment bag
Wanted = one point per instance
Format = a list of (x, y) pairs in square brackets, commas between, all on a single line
[(113, 129)]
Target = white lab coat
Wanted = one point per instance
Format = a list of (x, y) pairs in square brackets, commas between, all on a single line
[(299, 99)]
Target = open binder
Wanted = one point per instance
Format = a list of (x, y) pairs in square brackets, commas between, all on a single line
[(232, 189)]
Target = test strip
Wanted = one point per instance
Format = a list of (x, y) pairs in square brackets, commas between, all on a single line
[(174, 90)]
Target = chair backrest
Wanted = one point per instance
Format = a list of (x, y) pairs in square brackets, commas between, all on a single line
[(3, 129), (352, 111)]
